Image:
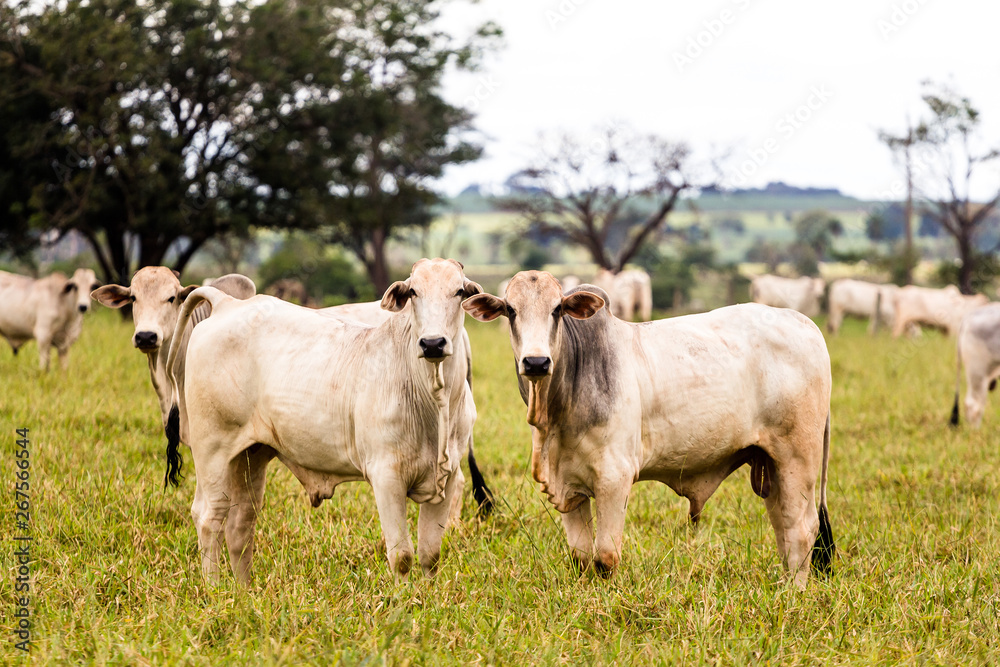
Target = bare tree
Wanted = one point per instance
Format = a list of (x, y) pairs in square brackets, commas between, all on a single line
[(955, 163), (589, 191), (902, 145)]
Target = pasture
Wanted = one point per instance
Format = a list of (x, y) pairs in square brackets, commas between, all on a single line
[(914, 507)]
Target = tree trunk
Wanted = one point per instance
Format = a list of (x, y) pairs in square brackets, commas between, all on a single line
[(908, 213), (377, 266), (965, 255)]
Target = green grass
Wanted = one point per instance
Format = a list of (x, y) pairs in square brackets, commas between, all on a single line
[(914, 507)]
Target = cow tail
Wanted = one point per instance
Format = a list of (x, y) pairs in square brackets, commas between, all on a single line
[(481, 492), (172, 429), (824, 548), (958, 380)]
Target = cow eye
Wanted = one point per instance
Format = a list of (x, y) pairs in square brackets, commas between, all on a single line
[(95, 286), (557, 312), (460, 292), (412, 293), (510, 313), (171, 300)]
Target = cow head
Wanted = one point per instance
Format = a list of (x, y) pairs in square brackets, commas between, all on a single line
[(435, 291), (79, 287), (535, 305), (156, 296)]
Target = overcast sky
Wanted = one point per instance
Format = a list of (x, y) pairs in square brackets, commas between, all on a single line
[(727, 74)]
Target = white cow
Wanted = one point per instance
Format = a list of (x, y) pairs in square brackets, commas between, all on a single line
[(372, 313), (939, 308), (156, 296), (801, 294), (978, 348), (629, 291), (861, 299), (684, 401), (333, 400), (49, 310)]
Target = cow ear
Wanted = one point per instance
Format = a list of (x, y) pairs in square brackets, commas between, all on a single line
[(471, 288), (485, 307), (112, 296), (582, 305), (177, 274), (396, 296), (184, 293)]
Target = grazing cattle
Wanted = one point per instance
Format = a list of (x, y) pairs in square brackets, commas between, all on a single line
[(49, 310), (289, 289), (939, 308), (684, 401), (156, 296), (978, 348), (801, 294), (372, 314), (569, 282), (335, 401), (861, 299), (629, 291)]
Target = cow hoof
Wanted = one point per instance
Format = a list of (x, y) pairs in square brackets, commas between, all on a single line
[(404, 563), (606, 564)]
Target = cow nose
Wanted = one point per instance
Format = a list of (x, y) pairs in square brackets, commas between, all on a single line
[(83, 308), (536, 365), (433, 347), (145, 339)]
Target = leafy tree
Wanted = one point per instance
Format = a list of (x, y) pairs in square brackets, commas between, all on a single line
[(816, 230), (589, 192), (324, 271)]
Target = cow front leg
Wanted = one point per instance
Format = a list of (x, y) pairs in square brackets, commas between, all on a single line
[(63, 357), (976, 391), (611, 503), (434, 519), (247, 479), (579, 526), (390, 498), (44, 340)]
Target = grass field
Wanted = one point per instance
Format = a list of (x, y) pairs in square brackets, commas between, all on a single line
[(914, 507)]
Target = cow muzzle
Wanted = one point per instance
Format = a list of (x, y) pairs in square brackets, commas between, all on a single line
[(83, 308), (434, 348), (146, 340), (536, 366)]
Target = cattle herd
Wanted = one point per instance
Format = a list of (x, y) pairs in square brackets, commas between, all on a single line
[(382, 392)]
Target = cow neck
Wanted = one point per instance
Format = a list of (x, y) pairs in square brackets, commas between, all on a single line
[(439, 391)]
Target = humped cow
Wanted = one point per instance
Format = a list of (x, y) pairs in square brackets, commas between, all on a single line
[(629, 291), (801, 294), (684, 401), (156, 296), (978, 349), (49, 310), (939, 308), (372, 314), (860, 298), (333, 400)]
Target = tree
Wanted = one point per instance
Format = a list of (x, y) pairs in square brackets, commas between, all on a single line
[(955, 162), (175, 121), (816, 230), (902, 146), (590, 192)]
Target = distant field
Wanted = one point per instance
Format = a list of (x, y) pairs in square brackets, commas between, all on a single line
[(915, 508)]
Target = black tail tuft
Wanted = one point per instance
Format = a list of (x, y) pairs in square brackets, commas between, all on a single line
[(174, 460), (824, 549), (482, 493), (954, 412)]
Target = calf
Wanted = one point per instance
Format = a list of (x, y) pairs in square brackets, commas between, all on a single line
[(156, 296), (978, 348), (684, 401), (333, 400), (49, 310)]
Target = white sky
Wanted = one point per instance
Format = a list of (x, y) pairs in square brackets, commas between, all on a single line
[(575, 64)]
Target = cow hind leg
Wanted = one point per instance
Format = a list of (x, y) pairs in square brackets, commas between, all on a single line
[(390, 499), (976, 391), (209, 511), (247, 479), (578, 524), (791, 508)]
